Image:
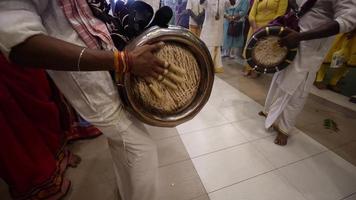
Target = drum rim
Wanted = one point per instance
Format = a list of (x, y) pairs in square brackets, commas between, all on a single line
[(181, 35), (268, 30)]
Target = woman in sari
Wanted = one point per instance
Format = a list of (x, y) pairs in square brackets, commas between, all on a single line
[(263, 12), (34, 131), (235, 12)]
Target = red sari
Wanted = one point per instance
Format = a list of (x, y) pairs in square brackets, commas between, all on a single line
[(32, 154)]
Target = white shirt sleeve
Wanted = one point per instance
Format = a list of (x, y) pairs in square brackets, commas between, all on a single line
[(19, 20), (345, 14)]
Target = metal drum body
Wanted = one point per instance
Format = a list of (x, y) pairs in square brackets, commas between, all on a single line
[(264, 33), (202, 56)]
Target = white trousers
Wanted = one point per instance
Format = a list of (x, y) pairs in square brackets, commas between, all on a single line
[(94, 96), (135, 159), (282, 108)]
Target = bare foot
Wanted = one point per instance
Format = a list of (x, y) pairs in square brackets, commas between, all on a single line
[(74, 160), (254, 75), (281, 139), (246, 73), (261, 113)]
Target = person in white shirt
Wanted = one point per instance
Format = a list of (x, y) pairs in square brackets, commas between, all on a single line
[(37, 33), (196, 9), (212, 32), (290, 87)]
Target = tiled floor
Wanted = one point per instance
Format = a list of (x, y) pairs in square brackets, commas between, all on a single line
[(224, 153)]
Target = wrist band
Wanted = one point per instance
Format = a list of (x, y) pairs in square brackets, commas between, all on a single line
[(122, 62), (128, 61), (80, 58)]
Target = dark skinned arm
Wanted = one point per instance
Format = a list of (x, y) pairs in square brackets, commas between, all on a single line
[(294, 38), (46, 52), (51, 53)]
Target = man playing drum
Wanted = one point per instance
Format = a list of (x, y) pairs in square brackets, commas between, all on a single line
[(65, 38), (289, 88)]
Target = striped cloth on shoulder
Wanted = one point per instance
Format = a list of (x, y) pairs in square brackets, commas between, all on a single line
[(92, 31)]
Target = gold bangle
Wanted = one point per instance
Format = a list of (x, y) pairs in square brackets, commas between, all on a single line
[(123, 56), (80, 58), (116, 60)]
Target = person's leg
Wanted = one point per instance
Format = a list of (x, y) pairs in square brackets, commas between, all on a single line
[(320, 76), (233, 53), (218, 60), (279, 103), (133, 152), (216, 56), (271, 95), (289, 116), (337, 75), (195, 30), (134, 155), (198, 31), (293, 106)]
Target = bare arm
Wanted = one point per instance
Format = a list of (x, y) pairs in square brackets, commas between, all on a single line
[(293, 38), (50, 53), (323, 31)]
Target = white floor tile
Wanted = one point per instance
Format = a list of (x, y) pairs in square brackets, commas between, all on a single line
[(226, 167), (208, 117), (158, 133), (228, 99), (299, 146), (270, 186), (323, 177), (334, 97), (212, 139), (253, 129), (241, 111), (179, 182)]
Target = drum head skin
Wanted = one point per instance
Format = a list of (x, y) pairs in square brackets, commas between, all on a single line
[(173, 107), (263, 52)]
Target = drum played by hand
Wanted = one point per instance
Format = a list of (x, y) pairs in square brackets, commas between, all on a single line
[(178, 94), (264, 53)]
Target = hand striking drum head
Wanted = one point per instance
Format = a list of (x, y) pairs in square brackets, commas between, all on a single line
[(263, 52), (179, 94)]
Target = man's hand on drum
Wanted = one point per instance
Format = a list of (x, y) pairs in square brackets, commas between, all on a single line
[(291, 40), (146, 65)]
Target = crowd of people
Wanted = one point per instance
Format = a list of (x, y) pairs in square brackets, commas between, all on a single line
[(55, 85), (242, 18), (289, 88)]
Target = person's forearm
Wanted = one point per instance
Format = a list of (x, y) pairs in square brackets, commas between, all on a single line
[(326, 30), (42, 51)]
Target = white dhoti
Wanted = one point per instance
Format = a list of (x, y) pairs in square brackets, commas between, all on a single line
[(134, 153), (283, 108), (290, 88)]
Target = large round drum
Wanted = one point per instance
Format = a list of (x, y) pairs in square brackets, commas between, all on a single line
[(263, 52), (152, 101)]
